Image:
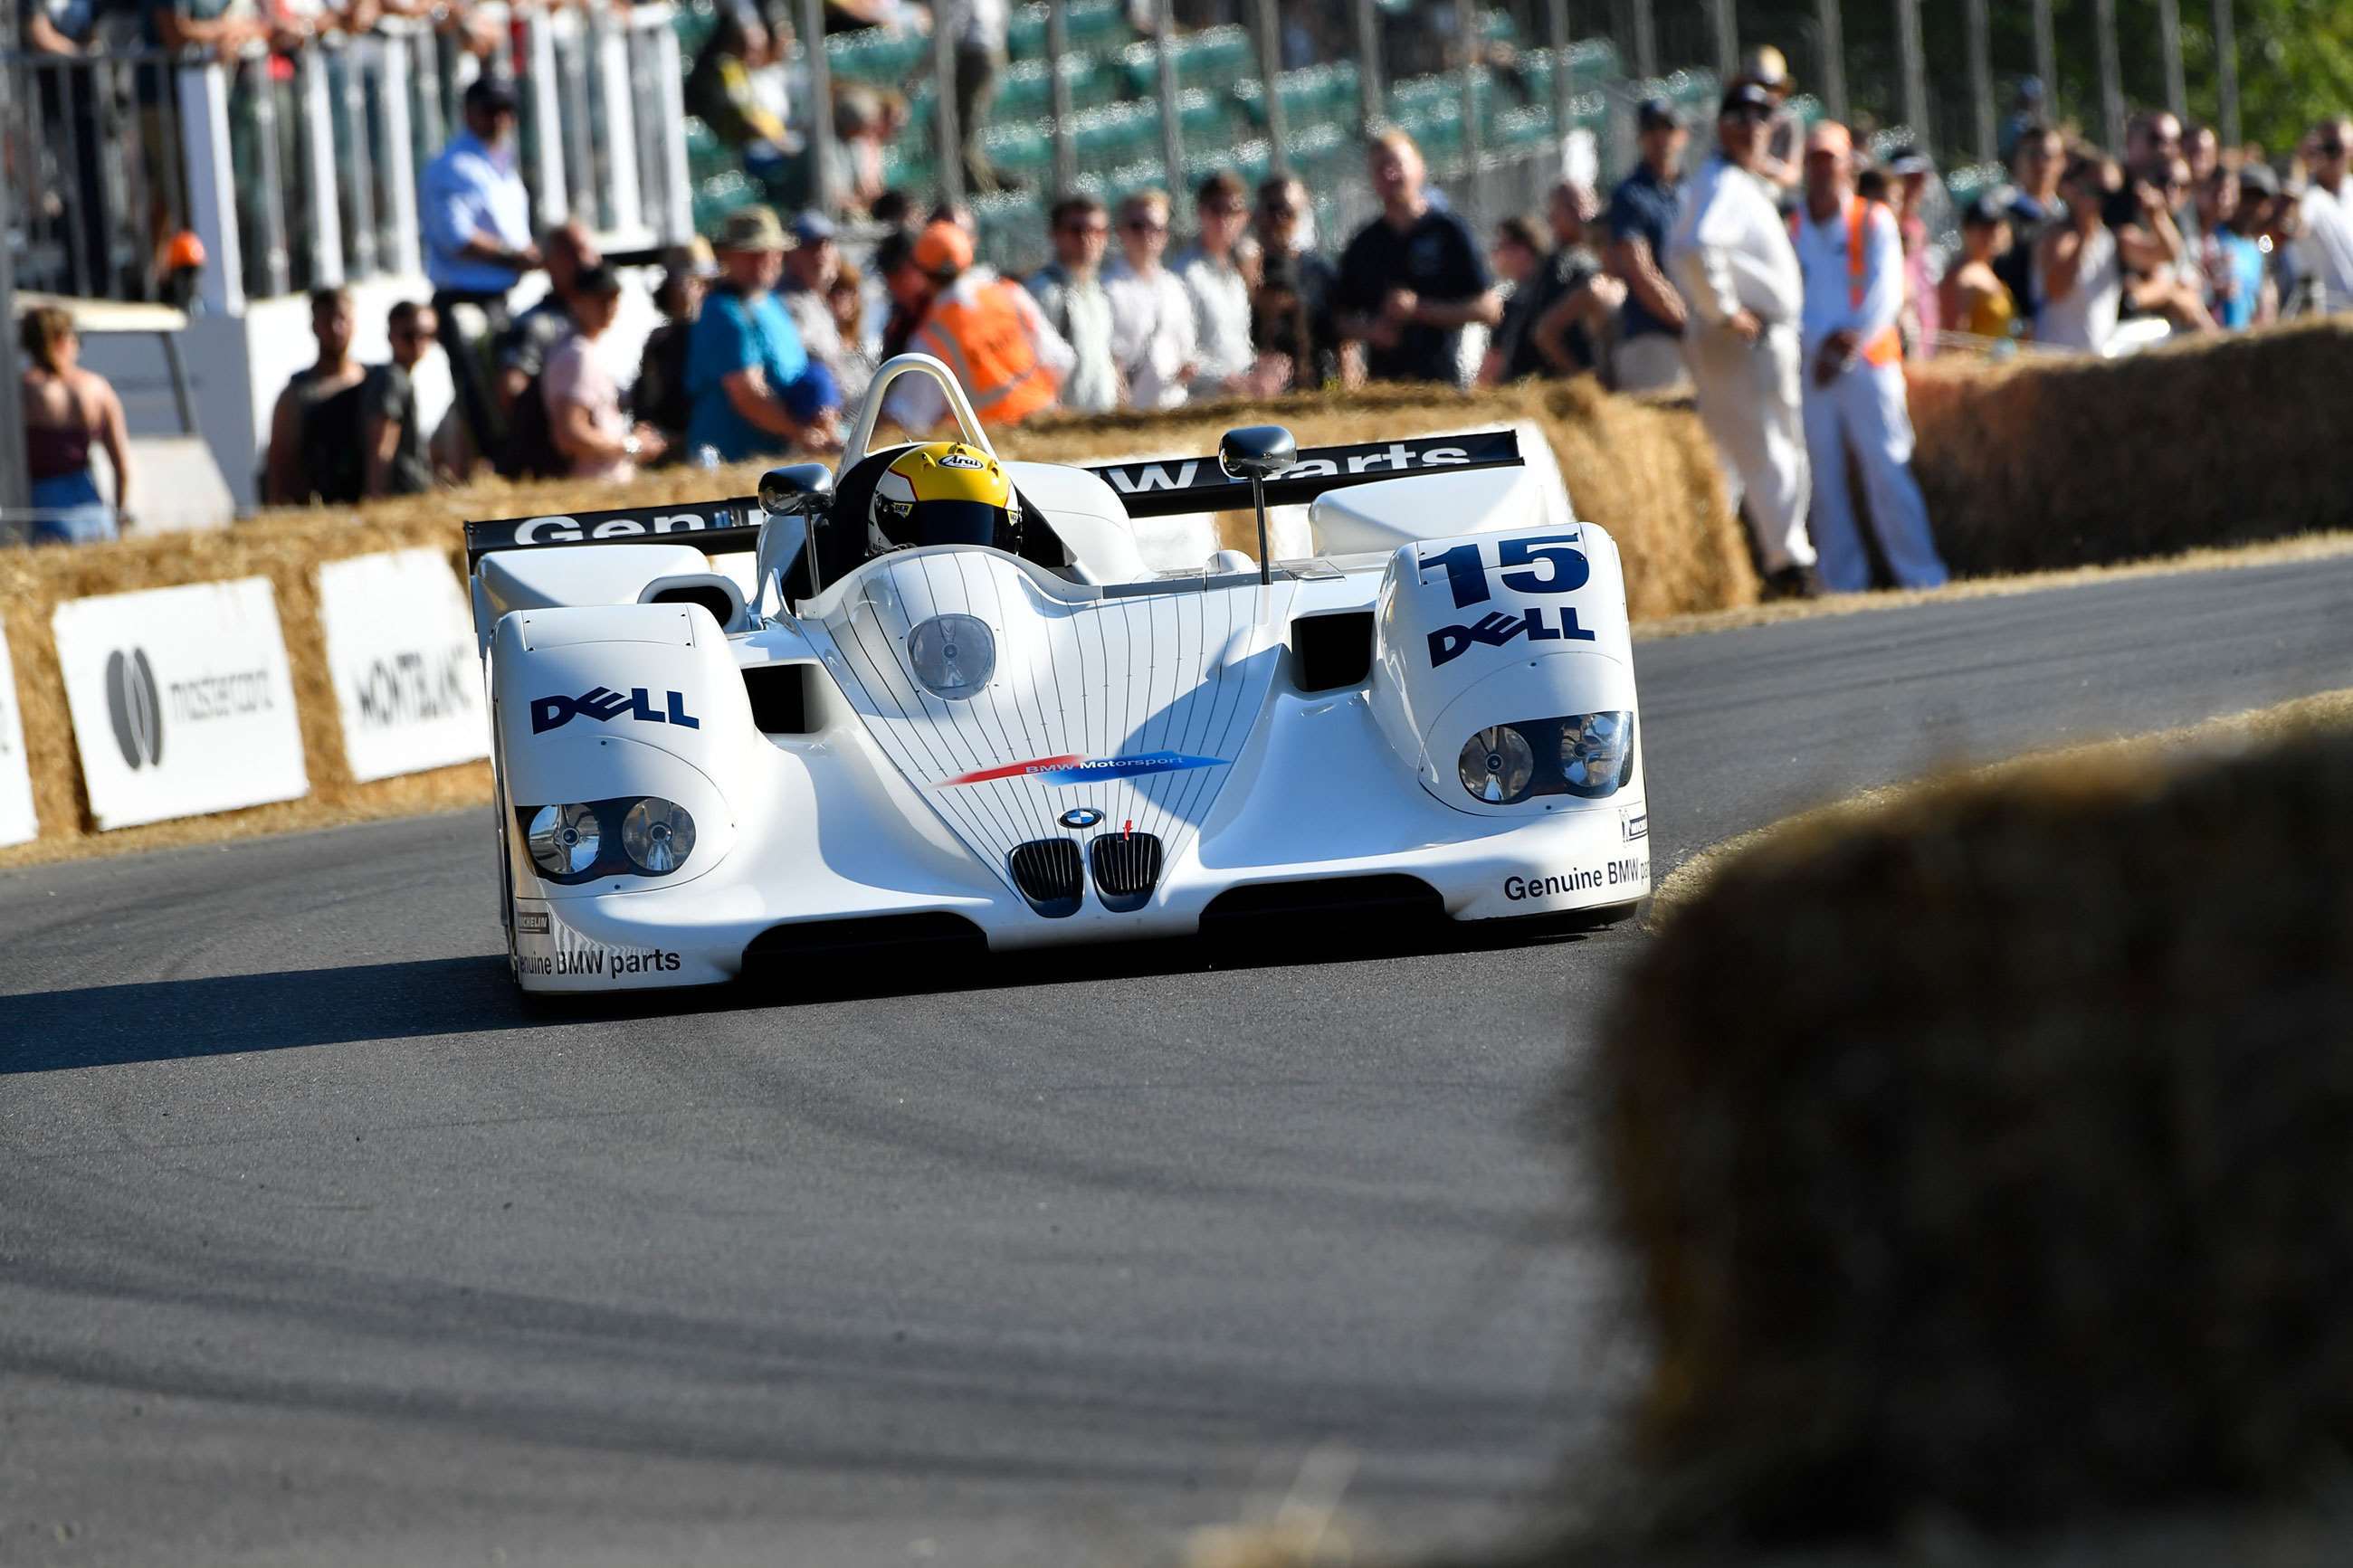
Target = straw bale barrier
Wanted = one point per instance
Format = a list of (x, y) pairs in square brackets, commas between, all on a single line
[(1984, 1158), (2043, 463)]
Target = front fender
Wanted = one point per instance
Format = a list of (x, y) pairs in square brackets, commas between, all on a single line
[(636, 699), (1488, 628)]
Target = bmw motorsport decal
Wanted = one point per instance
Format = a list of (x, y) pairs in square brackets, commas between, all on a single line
[(1075, 769)]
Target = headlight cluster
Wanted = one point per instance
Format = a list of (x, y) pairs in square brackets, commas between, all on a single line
[(643, 835), (1586, 754)]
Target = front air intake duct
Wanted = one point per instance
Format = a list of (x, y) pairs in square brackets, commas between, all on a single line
[(1050, 875), (1126, 868)]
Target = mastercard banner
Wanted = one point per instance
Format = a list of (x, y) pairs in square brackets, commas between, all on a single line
[(182, 701)]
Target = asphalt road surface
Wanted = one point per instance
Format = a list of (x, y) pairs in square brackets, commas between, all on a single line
[(317, 1246)]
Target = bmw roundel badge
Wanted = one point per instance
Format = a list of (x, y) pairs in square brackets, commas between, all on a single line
[(1081, 816)]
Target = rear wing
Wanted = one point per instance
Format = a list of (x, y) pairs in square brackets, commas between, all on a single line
[(1172, 488)]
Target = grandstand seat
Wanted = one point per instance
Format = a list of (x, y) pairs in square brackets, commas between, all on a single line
[(1095, 25)]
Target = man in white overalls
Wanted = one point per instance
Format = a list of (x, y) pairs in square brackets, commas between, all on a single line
[(1852, 257), (1730, 257)]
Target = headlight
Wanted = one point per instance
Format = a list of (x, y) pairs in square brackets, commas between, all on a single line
[(953, 656), (1497, 765), (1593, 752), (565, 840), (656, 835), (1584, 755)]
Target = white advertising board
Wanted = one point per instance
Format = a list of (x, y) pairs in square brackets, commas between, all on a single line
[(400, 651), (17, 823), (1182, 540), (182, 701)]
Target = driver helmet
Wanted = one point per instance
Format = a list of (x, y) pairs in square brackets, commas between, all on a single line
[(944, 492)]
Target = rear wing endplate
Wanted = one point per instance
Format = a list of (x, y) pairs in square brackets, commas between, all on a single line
[(1170, 489)]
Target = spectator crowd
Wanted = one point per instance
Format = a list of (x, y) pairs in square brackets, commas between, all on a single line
[(1772, 272)]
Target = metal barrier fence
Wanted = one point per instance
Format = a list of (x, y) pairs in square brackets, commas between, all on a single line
[(299, 169)]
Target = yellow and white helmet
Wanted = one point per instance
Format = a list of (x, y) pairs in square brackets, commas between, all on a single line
[(944, 492)]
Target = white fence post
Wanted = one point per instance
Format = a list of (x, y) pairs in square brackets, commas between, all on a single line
[(399, 156), (679, 218), (620, 115), (326, 237), (212, 185), (547, 120)]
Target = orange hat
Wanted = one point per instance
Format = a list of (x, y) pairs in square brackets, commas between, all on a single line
[(943, 250), (184, 251), (1829, 139)]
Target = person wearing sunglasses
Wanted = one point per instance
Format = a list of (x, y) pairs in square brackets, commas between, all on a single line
[(1217, 270), (1297, 343), (2325, 248), (1070, 291), (1153, 335), (1730, 256), (392, 437)]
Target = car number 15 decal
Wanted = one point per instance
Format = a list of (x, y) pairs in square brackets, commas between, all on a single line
[(1550, 563)]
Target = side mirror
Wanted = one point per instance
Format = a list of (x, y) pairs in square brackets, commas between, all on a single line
[(1257, 452), (799, 489)]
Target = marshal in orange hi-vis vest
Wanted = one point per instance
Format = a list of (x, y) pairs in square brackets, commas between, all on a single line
[(982, 339), (1887, 348)]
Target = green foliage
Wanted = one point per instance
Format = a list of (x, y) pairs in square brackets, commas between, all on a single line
[(2295, 58)]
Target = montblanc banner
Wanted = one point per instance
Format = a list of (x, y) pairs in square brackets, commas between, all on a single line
[(400, 652), (17, 823), (182, 701)]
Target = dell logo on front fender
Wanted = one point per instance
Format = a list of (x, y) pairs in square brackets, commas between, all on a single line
[(1449, 643), (603, 705)]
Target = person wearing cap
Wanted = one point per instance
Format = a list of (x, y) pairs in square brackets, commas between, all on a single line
[(1154, 334), (2239, 200), (810, 267), (1730, 256), (1649, 354), (985, 329), (755, 390), (659, 396), (1911, 171), (474, 218), (1853, 261)]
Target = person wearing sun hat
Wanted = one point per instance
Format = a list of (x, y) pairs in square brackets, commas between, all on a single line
[(987, 330), (1765, 67), (754, 388)]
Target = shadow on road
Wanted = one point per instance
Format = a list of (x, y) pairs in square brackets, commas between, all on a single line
[(173, 1020), (168, 1020)]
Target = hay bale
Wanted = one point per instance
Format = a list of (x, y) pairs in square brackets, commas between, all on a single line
[(1987, 1158), (2215, 441)]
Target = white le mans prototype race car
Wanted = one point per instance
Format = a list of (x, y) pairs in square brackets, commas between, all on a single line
[(956, 704)]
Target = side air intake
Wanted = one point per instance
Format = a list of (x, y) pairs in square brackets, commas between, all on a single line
[(1050, 875), (1126, 868)]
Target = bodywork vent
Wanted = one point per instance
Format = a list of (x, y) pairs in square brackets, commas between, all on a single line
[(1050, 874), (1328, 652), (931, 930), (1126, 868), (780, 699), (1382, 899)]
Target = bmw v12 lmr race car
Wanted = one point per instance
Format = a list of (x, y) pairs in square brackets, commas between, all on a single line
[(951, 702)]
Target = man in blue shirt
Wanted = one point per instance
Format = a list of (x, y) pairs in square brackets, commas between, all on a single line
[(475, 219), (754, 389), (1650, 355)]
